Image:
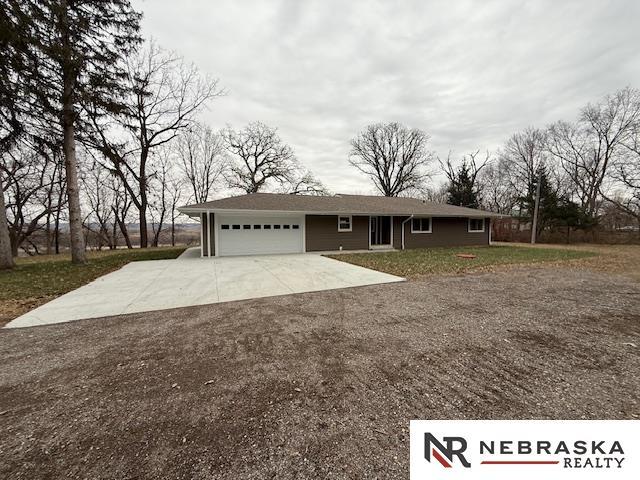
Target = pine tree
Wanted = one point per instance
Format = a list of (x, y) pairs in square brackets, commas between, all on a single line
[(462, 190), (13, 68), (77, 48)]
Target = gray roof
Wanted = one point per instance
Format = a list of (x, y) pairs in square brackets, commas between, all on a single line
[(336, 204)]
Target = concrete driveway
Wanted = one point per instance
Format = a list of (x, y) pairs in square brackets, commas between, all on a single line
[(191, 280)]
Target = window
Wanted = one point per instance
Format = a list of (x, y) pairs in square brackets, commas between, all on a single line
[(344, 223), (246, 227), (286, 227), (236, 227), (421, 225), (295, 227), (276, 227), (257, 227), (476, 224), (224, 227), (267, 227)]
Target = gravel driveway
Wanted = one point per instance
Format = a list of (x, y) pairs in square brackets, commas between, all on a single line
[(316, 385)]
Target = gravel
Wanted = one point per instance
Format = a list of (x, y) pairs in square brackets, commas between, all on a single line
[(318, 385)]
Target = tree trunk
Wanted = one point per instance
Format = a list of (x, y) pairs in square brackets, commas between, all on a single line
[(73, 192), (48, 233), (14, 240), (173, 230), (56, 232), (125, 232), (67, 122), (144, 235), (6, 256)]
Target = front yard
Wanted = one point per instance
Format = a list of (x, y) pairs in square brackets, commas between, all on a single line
[(425, 261)]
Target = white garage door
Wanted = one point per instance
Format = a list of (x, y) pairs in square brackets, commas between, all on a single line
[(243, 235)]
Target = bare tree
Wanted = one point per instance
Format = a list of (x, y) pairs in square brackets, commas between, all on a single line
[(522, 156), (159, 198), (588, 148), (30, 182), (436, 195), (99, 195), (166, 94), (304, 183), (201, 160), (393, 156), (55, 200), (498, 194), (175, 188), (625, 175), (260, 158), (121, 207)]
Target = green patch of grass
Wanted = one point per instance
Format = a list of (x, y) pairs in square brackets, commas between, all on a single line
[(424, 261), (49, 276)]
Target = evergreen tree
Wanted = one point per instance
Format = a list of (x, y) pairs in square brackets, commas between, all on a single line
[(13, 69), (554, 210), (77, 48), (462, 189), (549, 201)]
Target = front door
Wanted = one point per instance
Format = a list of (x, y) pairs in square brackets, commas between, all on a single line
[(380, 230)]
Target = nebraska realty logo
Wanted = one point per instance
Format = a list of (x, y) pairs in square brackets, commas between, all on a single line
[(526, 448)]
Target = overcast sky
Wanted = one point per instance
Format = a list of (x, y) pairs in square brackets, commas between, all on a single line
[(470, 73)]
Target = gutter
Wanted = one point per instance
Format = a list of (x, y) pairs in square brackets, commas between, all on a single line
[(402, 227)]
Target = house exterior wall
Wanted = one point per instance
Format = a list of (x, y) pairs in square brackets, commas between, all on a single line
[(322, 233), (446, 232), (204, 235)]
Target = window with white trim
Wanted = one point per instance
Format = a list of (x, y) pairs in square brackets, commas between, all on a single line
[(476, 225), (344, 223), (421, 225)]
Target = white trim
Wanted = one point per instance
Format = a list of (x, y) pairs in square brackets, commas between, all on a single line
[(202, 214), (209, 233), (422, 231), (402, 229), (304, 233), (475, 231), (343, 230), (216, 236), (489, 230)]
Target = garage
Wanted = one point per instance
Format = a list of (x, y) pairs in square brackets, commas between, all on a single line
[(256, 235)]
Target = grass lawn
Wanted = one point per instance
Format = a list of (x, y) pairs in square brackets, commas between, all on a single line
[(424, 261), (36, 280)]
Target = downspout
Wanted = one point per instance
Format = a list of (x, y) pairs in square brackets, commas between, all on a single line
[(402, 226)]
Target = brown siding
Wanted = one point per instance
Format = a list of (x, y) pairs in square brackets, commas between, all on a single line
[(204, 232), (322, 233), (446, 232), (397, 232)]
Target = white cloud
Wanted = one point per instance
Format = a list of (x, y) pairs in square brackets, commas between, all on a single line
[(469, 73)]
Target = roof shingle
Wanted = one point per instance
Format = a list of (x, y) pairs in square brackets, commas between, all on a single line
[(335, 204)]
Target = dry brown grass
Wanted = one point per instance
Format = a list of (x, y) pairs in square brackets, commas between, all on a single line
[(618, 259)]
